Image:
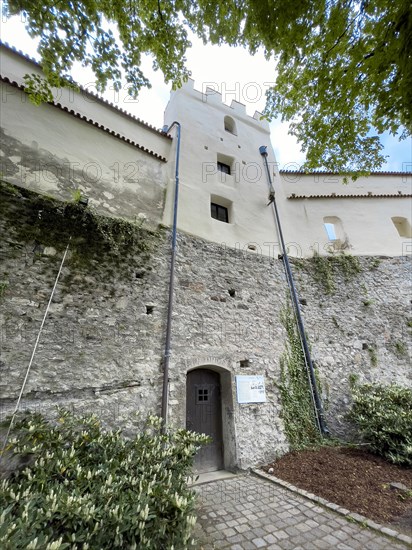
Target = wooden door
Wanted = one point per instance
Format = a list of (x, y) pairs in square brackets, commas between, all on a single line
[(204, 415)]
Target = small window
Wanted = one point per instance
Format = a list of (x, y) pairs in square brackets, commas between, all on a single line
[(230, 125), (225, 167), (403, 227), (202, 395), (219, 212), (222, 167), (330, 231), (335, 232)]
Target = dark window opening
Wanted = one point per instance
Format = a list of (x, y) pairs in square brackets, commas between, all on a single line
[(202, 395), (219, 212), (222, 167)]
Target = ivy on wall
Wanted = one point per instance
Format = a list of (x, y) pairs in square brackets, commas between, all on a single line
[(324, 270), (95, 239), (297, 406)]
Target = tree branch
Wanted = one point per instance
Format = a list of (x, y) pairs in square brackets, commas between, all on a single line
[(159, 11), (342, 35)]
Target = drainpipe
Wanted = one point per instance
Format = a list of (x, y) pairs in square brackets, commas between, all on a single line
[(166, 358), (319, 414)]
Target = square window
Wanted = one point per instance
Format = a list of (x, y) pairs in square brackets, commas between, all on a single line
[(219, 212), (222, 167), (202, 395)]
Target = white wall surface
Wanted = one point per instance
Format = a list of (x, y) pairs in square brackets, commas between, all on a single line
[(366, 222), (203, 138), (51, 151), (15, 66)]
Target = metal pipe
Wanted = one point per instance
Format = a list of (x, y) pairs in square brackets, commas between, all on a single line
[(318, 403), (166, 359)]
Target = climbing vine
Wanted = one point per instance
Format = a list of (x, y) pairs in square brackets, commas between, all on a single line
[(297, 407), (4, 285), (95, 239), (325, 269)]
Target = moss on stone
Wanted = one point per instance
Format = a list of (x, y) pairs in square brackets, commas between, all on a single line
[(325, 269), (99, 243)]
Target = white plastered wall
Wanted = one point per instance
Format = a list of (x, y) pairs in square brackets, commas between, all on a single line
[(366, 221), (203, 138), (53, 152), (15, 66), (366, 213)]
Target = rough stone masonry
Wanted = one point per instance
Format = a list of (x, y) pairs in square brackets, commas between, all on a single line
[(103, 342)]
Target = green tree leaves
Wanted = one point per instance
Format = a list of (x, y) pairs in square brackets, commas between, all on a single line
[(344, 67), (347, 84)]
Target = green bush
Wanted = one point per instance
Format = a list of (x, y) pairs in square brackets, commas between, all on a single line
[(88, 488), (383, 415)]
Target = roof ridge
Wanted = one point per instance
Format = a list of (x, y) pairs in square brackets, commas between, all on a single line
[(88, 121), (325, 172), (101, 99)]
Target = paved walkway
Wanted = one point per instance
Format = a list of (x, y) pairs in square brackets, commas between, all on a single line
[(247, 512)]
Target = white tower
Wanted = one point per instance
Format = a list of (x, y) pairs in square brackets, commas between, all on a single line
[(223, 185)]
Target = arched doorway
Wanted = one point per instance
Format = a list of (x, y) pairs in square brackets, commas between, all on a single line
[(204, 415)]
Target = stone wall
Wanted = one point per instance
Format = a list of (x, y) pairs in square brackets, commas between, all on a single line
[(100, 351), (227, 316), (103, 341), (362, 327)]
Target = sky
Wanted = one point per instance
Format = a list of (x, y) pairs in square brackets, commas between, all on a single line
[(231, 71)]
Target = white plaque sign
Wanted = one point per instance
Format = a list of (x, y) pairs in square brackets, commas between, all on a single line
[(250, 389)]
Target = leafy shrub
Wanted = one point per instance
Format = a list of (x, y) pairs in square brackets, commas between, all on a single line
[(92, 489), (383, 415)]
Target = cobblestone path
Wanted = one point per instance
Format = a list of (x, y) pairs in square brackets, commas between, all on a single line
[(247, 512)]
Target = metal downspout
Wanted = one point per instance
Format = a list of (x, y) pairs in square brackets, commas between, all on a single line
[(318, 403), (166, 359)]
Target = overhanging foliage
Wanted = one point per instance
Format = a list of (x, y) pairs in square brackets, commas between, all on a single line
[(344, 66)]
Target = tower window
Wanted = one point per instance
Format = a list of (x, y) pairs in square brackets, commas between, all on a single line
[(219, 212), (225, 166), (230, 125), (222, 167)]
